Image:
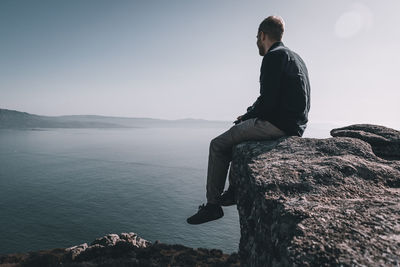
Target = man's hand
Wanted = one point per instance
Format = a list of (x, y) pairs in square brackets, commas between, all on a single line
[(239, 119)]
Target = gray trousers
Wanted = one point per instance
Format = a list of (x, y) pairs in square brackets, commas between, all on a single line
[(220, 154)]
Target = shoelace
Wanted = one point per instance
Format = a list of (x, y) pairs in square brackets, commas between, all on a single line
[(202, 206)]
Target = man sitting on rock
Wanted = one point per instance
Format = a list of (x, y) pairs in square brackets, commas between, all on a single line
[(280, 110)]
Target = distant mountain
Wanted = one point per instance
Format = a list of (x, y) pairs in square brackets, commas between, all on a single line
[(21, 120)]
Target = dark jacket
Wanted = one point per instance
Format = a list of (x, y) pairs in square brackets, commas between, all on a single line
[(284, 97)]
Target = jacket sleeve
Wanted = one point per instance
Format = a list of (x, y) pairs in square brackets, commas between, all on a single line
[(270, 82)]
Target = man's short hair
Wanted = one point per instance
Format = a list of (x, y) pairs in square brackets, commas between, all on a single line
[(273, 26)]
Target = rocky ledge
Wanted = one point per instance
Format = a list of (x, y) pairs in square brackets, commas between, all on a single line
[(320, 202)]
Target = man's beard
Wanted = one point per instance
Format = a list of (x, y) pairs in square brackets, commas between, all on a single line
[(261, 51)]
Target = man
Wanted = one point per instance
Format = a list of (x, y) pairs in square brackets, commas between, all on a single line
[(280, 110)]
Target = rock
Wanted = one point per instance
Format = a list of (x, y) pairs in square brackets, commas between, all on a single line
[(135, 240), (106, 241), (319, 202), (107, 245), (113, 239), (385, 142), (123, 250), (76, 250)]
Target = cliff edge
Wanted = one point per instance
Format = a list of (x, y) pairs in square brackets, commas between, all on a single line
[(320, 202)]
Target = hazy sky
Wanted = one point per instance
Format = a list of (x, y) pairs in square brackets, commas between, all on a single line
[(180, 59)]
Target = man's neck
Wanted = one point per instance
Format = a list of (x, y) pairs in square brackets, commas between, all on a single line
[(269, 44)]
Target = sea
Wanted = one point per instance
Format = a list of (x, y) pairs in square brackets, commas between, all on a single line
[(64, 187)]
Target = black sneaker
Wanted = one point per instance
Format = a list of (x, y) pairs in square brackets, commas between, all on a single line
[(206, 213), (228, 197)]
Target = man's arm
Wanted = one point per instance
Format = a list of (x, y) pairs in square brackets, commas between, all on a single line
[(270, 81)]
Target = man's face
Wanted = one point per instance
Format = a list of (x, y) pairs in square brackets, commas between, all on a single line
[(261, 49)]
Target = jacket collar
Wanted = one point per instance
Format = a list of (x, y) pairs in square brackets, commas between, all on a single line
[(276, 44)]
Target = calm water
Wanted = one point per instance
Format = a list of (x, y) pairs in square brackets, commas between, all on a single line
[(63, 187)]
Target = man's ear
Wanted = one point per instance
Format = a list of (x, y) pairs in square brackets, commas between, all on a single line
[(263, 36)]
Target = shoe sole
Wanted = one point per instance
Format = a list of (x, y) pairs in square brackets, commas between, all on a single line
[(227, 204), (201, 222)]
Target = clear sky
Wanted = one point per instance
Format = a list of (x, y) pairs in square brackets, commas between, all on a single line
[(198, 59)]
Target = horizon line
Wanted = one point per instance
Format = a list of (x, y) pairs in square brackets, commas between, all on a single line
[(110, 116), (310, 122)]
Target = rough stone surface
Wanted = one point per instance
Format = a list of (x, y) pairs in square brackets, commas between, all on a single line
[(113, 239), (385, 142), (74, 251), (319, 202), (99, 246)]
